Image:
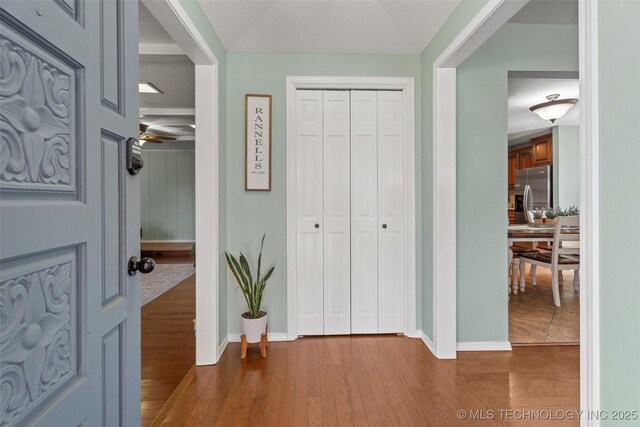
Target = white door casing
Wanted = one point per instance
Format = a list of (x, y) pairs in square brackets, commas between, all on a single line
[(364, 215), (336, 224), (176, 21)]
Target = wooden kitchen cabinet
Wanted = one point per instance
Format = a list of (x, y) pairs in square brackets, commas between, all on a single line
[(513, 165), (525, 158), (542, 150)]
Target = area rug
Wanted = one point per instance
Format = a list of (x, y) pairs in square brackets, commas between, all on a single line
[(163, 278)]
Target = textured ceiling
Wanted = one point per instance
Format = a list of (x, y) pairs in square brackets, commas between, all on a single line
[(175, 79), (554, 12), (526, 92), (328, 26), (150, 29)]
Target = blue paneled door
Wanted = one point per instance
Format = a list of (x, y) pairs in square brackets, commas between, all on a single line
[(69, 216)]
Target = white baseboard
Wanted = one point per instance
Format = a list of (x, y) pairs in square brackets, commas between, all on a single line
[(427, 341), (167, 241), (222, 347), (271, 336), (484, 346)]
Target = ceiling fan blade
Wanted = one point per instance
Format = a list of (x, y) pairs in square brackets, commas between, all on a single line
[(151, 138)]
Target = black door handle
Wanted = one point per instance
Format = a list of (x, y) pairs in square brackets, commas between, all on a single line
[(317, 226), (144, 265), (384, 225)]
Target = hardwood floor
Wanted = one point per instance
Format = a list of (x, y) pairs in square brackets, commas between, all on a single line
[(168, 345), (376, 381), (533, 318)]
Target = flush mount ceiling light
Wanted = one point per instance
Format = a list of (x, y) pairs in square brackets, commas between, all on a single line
[(554, 108), (148, 88)]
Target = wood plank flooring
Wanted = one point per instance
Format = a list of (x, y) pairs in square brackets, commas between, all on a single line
[(375, 381), (533, 318), (168, 345)]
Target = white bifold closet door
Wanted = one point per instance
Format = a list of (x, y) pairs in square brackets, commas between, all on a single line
[(391, 212), (323, 212), (377, 212), (350, 200), (364, 212)]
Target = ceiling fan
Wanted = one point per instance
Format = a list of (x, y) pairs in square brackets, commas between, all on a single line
[(149, 137)]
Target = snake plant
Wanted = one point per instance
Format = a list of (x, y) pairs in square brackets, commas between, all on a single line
[(251, 289)]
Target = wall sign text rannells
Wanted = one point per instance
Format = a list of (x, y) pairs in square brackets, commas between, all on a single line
[(258, 143)]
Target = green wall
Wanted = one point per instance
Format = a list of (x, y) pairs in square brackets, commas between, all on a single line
[(249, 214), (619, 97), (198, 17), (456, 22), (566, 166), (167, 195), (482, 166)]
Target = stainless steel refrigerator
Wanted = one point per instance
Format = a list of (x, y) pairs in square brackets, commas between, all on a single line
[(533, 191)]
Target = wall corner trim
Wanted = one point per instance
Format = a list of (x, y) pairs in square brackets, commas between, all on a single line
[(427, 341), (222, 347)]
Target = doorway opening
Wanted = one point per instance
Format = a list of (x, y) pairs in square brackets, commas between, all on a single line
[(446, 261), (181, 209), (543, 187), (167, 213)]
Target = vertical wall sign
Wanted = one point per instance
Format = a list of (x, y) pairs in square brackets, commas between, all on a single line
[(258, 143)]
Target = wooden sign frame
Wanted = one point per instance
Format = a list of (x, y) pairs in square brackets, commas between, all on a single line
[(257, 147)]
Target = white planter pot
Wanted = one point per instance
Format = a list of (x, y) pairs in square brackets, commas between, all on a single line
[(254, 328)]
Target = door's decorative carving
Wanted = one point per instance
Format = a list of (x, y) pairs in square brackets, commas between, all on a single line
[(35, 337), (35, 119)]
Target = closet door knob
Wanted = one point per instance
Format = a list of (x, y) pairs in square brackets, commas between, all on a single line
[(317, 226), (384, 225)]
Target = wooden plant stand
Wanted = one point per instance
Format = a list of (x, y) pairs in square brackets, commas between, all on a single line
[(263, 344)]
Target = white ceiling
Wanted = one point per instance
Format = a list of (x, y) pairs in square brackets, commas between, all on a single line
[(552, 12), (526, 92), (174, 75), (150, 29), (175, 79), (328, 26)]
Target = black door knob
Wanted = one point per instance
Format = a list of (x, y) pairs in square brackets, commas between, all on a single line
[(317, 226), (384, 225), (144, 265)]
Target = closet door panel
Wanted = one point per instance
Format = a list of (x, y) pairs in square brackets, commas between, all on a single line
[(337, 217), (309, 212), (364, 202), (391, 215)]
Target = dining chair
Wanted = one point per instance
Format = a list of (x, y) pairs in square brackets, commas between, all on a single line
[(545, 247), (561, 257), (515, 251)]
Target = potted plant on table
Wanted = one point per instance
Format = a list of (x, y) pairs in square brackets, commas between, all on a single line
[(538, 216), (570, 211), (551, 215), (254, 321)]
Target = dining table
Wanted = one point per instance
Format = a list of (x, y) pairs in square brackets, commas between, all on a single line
[(528, 233)]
